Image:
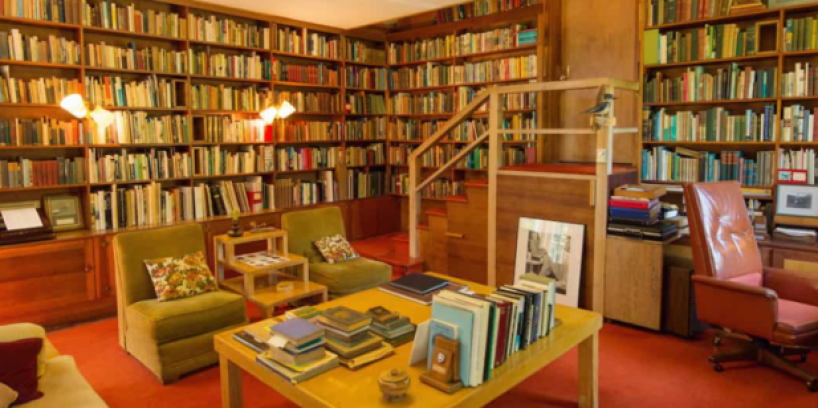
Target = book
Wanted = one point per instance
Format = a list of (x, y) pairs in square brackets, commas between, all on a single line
[(344, 318), (425, 299), (305, 312), (640, 191), (298, 332), (354, 363), (463, 317), (347, 351), (419, 283), (251, 341), (329, 362), (296, 361)]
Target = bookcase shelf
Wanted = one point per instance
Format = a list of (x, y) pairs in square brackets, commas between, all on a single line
[(39, 23), (123, 33), (714, 61), (709, 103), (306, 56), (40, 64), (226, 46), (717, 20), (132, 71), (42, 188), (305, 85)]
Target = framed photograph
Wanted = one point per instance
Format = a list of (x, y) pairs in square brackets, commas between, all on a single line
[(64, 212), (552, 249), (797, 200)]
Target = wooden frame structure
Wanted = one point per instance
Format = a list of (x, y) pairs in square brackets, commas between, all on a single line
[(603, 127)]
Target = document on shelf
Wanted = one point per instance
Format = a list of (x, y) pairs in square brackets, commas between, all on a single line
[(21, 218)]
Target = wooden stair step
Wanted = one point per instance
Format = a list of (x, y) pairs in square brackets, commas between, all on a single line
[(481, 183), (437, 212), (458, 199)]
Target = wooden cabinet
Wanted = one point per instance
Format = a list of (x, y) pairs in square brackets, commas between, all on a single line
[(785, 255), (633, 282)]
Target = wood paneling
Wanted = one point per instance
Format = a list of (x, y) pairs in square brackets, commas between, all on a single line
[(373, 216), (468, 255), (633, 281)]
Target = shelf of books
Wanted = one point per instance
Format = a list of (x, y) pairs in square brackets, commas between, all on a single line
[(435, 71), (728, 96)]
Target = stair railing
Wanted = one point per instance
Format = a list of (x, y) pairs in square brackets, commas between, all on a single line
[(603, 126)]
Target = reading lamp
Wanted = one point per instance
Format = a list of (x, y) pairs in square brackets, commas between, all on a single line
[(76, 106), (270, 114)]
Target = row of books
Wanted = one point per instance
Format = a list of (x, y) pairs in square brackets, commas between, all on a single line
[(676, 11), (424, 76), (306, 158), (801, 34), (58, 11), (711, 125), (309, 102), (405, 103), (216, 161), (227, 31), (365, 156), (361, 51), (365, 129), (245, 66), (319, 74), (303, 131), (295, 192), (365, 78), (151, 92), (798, 124), (801, 81), (440, 188), (368, 104), (478, 8), (698, 44), (800, 159), (307, 42), (490, 329), (134, 166), (138, 127), (491, 40), (361, 184), (224, 128), (41, 132), (421, 49), (478, 159), (37, 90), (227, 97), (114, 16), (153, 58), (468, 130), (522, 67), (697, 84), (17, 46), (685, 165), (41, 173)]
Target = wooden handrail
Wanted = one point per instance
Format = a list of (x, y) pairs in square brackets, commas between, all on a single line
[(466, 150), (451, 124)]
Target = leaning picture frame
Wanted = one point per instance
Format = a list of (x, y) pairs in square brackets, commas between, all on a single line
[(797, 200), (64, 211), (551, 249)]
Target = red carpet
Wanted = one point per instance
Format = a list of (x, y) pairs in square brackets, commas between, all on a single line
[(637, 369)]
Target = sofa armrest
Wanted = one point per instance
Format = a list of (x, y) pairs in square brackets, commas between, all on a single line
[(748, 309), (797, 286), (49, 351)]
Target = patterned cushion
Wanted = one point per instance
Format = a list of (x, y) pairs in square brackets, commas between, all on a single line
[(180, 277), (335, 249)]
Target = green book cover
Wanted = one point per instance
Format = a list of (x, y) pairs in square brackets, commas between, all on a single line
[(650, 47)]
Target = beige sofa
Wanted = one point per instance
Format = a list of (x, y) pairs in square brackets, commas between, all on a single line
[(61, 383)]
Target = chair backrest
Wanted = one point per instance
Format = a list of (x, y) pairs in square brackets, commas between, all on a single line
[(305, 227), (722, 239), (131, 249)]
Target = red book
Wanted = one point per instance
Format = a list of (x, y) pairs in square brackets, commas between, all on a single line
[(637, 204), (504, 309)]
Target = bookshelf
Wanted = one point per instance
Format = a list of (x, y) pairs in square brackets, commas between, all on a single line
[(767, 122)]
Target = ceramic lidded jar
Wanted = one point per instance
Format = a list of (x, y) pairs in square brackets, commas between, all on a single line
[(394, 384)]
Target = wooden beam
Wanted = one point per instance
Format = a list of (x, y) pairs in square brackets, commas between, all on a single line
[(449, 164), (604, 154), (495, 160), (414, 207)]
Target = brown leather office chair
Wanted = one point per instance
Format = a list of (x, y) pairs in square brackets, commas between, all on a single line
[(774, 311)]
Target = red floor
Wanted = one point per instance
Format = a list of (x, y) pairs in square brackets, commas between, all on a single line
[(637, 369)]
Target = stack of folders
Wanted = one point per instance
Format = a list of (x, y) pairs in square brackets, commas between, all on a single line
[(492, 328), (296, 351), (347, 334), (394, 328), (419, 288), (307, 313)]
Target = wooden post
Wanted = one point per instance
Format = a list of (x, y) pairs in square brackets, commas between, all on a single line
[(495, 160), (414, 206), (604, 167)]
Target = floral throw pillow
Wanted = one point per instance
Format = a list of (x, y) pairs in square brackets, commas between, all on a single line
[(180, 277), (335, 249)]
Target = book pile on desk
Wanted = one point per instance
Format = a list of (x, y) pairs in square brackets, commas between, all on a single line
[(419, 287), (307, 313), (799, 235), (296, 351), (392, 327), (635, 211), (347, 335), (492, 328)]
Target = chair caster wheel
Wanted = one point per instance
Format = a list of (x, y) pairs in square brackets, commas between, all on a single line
[(717, 341), (718, 368), (812, 385)]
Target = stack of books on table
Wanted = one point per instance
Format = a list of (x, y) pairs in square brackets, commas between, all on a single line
[(635, 212), (799, 235), (347, 335), (492, 328), (296, 351), (419, 287), (307, 313), (392, 327)]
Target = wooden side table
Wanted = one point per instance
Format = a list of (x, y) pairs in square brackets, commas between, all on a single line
[(266, 297)]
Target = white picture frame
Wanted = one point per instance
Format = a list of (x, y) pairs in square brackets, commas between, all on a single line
[(797, 200), (553, 249)]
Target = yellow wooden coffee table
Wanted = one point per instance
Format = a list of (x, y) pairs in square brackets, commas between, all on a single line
[(343, 388)]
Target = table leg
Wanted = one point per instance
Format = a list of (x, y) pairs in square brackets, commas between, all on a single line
[(231, 384), (589, 372)]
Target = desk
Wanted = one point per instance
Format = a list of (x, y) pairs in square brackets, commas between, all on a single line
[(343, 388)]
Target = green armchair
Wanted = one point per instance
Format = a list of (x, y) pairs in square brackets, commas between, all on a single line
[(174, 337), (341, 279)]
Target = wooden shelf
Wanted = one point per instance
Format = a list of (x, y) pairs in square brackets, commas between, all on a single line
[(228, 46), (43, 188), (716, 20), (317, 114), (366, 141), (499, 81), (422, 115), (424, 89), (715, 61), (223, 112), (36, 64), (133, 71), (303, 171), (48, 147), (802, 53), (205, 144), (230, 79), (710, 143), (366, 64), (531, 47), (369, 115), (306, 56), (30, 105), (305, 142), (131, 182), (143, 108), (224, 176), (799, 98), (305, 85), (716, 102), (419, 62), (365, 90), (41, 23), (136, 145), (111, 31)]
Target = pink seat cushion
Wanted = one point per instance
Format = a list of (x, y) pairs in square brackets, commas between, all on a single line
[(751, 279), (796, 318)]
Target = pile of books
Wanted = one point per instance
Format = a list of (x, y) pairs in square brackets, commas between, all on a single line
[(635, 211), (492, 328), (419, 288), (307, 313), (347, 335), (392, 327), (800, 235), (296, 351)]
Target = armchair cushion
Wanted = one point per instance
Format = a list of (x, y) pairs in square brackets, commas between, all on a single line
[(178, 277), (717, 300), (351, 276), (797, 286), (187, 317), (305, 227), (797, 323)]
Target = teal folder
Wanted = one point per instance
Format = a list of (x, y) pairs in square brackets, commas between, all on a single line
[(464, 320)]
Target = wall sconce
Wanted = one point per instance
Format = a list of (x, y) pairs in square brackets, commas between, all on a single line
[(76, 106), (270, 114)]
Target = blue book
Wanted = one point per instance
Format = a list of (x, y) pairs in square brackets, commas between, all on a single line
[(464, 320), (297, 331), (633, 213)]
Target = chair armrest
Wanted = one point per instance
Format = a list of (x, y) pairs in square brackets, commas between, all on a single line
[(748, 309), (797, 286)]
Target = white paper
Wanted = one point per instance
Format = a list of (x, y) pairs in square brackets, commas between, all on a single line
[(420, 347), (277, 341), (21, 218)]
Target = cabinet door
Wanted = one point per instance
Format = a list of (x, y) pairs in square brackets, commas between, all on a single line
[(105, 266), (796, 260), (41, 277)]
